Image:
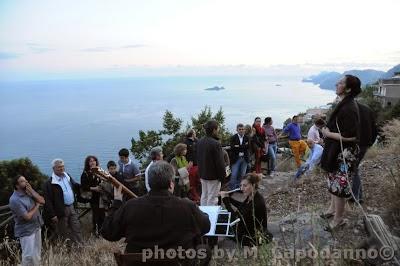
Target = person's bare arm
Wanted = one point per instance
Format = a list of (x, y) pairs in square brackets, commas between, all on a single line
[(336, 136), (39, 199), (28, 216)]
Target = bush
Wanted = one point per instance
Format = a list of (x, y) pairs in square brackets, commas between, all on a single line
[(23, 166)]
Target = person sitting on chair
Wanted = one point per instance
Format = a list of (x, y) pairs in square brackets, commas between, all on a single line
[(158, 218), (252, 212)]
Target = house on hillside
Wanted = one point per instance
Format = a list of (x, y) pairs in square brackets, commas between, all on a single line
[(388, 90), (316, 112)]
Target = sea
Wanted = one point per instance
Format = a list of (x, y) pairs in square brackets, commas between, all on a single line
[(71, 119)]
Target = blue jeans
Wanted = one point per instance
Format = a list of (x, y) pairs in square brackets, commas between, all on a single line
[(302, 169), (356, 186), (272, 150), (238, 171)]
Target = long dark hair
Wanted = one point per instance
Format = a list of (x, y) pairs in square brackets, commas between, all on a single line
[(87, 167)]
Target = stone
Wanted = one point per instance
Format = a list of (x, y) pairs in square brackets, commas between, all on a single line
[(299, 229)]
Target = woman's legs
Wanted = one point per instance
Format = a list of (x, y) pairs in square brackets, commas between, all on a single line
[(272, 155), (332, 206), (339, 209)]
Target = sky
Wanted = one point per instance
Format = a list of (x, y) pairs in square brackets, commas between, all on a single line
[(45, 39)]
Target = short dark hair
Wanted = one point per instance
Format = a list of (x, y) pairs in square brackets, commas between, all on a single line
[(190, 133), (87, 167), (123, 152), (160, 174), (294, 117), (320, 122), (354, 84), (111, 164), (257, 118), (267, 120), (210, 126), (155, 152), (15, 181), (239, 125)]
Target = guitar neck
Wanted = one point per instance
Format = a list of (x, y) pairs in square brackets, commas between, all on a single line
[(117, 184)]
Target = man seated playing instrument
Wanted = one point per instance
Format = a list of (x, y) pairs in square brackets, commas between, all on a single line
[(157, 218)]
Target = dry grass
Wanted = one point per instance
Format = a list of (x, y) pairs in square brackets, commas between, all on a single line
[(373, 152), (96, 251), (391, 132), (286, 164)]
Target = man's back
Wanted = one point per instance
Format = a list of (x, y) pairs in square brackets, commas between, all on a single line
[(210, 159), (158, 218)]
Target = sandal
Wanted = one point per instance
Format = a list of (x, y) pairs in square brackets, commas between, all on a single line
[(327, 215)]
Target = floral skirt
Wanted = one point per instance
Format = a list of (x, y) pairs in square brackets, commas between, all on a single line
[(339, 182)]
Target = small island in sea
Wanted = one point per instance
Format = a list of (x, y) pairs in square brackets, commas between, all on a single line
[(215, 88)]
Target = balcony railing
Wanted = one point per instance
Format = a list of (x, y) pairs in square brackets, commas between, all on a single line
[(378, 94)]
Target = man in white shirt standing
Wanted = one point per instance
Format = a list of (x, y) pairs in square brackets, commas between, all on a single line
[(313, 132), (239, 156), (156, 154)]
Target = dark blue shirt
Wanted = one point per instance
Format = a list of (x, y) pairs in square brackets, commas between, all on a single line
[(20, 204)]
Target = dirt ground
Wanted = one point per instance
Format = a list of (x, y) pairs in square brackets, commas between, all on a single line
[(311, 194)]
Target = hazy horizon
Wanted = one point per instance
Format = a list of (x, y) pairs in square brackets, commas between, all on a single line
[(55, 39)]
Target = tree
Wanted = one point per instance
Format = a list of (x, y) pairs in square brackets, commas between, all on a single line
[(205, 115), (171, 124), (22, 166), (171, 134), (147, 140)]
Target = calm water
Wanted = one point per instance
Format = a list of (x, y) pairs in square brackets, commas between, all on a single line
[(71, 119)]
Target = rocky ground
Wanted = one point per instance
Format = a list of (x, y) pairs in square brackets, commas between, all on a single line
[(294, 209)]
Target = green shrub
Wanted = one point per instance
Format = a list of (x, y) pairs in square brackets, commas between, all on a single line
[(23, 166)]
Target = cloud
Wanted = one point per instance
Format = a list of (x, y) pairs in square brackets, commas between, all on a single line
[(8, 55), (133, 46), (38, 48), (96, 49), (110, 48)]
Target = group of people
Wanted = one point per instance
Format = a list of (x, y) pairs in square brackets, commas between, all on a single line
[(166, 213)]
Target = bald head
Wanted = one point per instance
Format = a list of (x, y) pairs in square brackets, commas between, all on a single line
[(310, 143)]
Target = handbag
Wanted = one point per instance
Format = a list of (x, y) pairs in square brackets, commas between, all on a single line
[(183, 176)]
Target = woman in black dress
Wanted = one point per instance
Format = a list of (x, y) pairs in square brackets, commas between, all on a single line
[(340, 155), (252, 212), (91, 191)]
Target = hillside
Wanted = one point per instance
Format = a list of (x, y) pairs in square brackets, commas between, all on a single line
[(327, 80)]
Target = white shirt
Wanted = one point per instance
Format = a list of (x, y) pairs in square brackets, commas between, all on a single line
[(313, 134), (146, 176), (241, 142), (240, 139)]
